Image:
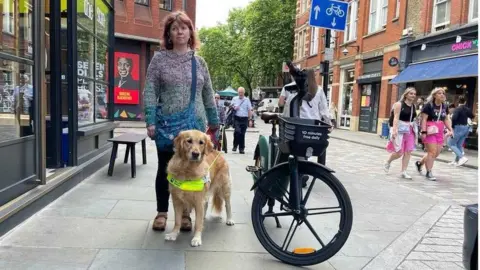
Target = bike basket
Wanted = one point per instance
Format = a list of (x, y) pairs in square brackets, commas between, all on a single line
[(302, 137)]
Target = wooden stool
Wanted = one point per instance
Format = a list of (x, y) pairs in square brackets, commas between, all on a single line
[(129, 139)]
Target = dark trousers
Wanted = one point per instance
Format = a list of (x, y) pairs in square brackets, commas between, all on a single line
[(161, 182), (241, 124)]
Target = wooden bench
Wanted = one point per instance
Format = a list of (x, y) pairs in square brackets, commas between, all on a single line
[(129, 139)]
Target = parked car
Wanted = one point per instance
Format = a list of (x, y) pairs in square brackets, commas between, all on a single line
[(470, 239), (268, 105)]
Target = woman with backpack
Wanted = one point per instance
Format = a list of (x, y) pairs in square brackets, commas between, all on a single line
[(403, 131)]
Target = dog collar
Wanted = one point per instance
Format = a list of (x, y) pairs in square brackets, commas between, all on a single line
[(188, 185)]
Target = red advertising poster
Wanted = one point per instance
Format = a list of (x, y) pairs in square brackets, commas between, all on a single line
[(127, 83)]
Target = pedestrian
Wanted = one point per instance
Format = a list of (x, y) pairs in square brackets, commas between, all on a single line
[(220, 109), (243, 111), (334, 113), (434, 121), (178, 95), (461, 129), (451, 108), (403, 130)]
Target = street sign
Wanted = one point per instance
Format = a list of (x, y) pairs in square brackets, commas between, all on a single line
[(329, 14), (328, 54)]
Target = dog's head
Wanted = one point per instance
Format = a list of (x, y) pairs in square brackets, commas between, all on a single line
[(193, 145)]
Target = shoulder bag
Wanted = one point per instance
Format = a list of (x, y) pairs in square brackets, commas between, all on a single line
[(169, 126), (403, 127), (431, 130)]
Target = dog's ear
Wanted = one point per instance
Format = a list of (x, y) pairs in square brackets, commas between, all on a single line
[(178, 143), (209, 147)]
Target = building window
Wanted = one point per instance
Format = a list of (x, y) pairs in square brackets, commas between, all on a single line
[(441, 15), (184, 4), (333, 38), (314, 41), (301, 43), (378, 15), (473, 11), (165, 4), (143, 2), (351, 29), (303, 6), (8, 15), (397, 9)]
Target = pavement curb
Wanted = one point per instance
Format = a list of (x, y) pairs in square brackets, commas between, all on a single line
[(393, 255), (416, 154)]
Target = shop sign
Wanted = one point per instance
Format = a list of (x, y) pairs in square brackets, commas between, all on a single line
[(465, 45), (370, 76), (393, 61), (124, 96)]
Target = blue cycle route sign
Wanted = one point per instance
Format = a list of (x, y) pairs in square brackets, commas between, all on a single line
[(329, 14)]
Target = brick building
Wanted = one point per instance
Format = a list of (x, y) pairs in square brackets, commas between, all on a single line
[(440, 48), (138, 26), (360, 70)]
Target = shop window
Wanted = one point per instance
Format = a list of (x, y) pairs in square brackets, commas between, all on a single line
[(143, 2), (378, 15), (441, 15), (314, 41), (473, 11), (352, 18), (165, 4), (102, 22), (16, 100)]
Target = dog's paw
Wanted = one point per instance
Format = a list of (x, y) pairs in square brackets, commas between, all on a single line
[(171, 236), (196, 242), (230, 222)]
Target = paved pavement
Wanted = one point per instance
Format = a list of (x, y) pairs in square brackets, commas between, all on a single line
[(104, 222)]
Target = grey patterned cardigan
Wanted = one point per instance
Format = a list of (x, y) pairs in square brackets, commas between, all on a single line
[(167, 86)]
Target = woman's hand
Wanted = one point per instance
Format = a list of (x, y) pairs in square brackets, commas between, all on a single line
[(449, 133), (423, 136), (394, 134), (151, 131)]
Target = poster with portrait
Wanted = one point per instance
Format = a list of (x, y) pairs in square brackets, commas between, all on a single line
[(126, 83)]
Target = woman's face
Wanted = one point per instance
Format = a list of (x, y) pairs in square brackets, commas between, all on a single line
[(412, 94), (440, 95), (179, 33), (123, 67)]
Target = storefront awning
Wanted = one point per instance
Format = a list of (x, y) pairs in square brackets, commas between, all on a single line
[(458, 67)]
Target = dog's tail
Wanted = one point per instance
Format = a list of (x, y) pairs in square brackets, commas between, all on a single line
[(217, 203)]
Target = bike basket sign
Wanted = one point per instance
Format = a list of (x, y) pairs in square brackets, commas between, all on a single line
[(311, 135), (329, 14)]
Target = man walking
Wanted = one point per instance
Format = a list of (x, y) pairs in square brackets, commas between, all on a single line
[(243, 111)]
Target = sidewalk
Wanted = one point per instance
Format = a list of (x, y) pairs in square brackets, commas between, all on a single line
[(374, 140)]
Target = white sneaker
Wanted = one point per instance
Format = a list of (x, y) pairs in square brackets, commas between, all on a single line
[(405, 175), (453, 163), (462, 161), (386, 167)]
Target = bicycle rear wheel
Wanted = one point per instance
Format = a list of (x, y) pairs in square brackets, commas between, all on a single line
[(304, 254)]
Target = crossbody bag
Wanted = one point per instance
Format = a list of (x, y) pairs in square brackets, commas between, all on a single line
[(403, 127), (431, 130)]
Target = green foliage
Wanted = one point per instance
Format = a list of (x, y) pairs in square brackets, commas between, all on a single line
[(248, 50)]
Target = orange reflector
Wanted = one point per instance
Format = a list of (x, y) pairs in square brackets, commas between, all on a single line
[(303, 250)]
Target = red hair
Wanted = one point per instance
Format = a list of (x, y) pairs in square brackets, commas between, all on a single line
[(167, 25)]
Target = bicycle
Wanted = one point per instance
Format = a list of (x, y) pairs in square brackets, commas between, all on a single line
[(335, 9), (276, 181)]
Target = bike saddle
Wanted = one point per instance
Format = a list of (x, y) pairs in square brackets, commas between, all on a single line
[(267, 117)]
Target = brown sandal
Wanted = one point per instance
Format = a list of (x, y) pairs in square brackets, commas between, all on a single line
[(186, 224), (160, 222)]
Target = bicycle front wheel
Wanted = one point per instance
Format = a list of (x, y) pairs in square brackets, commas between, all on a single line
[(334, 214)]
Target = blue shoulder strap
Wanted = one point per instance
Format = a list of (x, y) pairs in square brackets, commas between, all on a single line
[(193, 93)]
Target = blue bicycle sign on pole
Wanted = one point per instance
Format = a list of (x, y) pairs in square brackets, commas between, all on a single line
[(329, 14)]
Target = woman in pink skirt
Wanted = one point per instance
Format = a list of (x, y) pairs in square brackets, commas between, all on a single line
[(402, 130), (434, 122)]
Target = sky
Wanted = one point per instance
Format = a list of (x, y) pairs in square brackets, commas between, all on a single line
[(209, 12)]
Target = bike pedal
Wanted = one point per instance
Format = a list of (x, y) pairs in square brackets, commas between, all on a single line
[(253, 169)]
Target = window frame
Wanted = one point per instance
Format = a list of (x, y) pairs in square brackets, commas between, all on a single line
[(11, 17), (301, 43), (333, 38), (352, 13), (142, 2), (434, 15), (162, 4), (471, 10), (303, 6), (379, 11), (397, 9), (314, 41)]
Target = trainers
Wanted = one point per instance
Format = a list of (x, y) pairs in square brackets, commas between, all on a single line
[(419, 166), (462, 161), (430, 176), (405, 175), (386, 167)]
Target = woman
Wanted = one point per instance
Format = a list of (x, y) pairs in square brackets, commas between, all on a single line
[(434, 121), (461, 129), (402, 125), (168, 92)]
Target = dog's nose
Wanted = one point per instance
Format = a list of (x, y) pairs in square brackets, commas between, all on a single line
[(195, 155)]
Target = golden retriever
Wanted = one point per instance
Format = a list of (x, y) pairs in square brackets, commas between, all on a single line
[(194, 158)]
